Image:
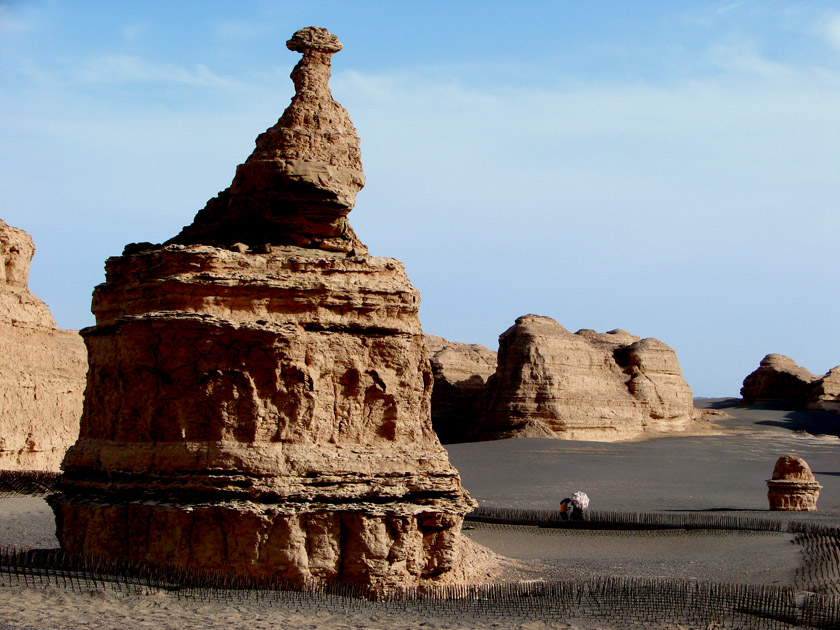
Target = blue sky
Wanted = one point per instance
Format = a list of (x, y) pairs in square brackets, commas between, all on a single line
[(670, 168)]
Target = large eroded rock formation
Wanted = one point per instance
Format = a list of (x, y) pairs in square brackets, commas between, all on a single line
[(42, 368), (259, 391), (779, 379), (587, 386)]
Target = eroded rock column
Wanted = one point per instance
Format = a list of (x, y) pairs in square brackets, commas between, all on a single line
[(259, 392)]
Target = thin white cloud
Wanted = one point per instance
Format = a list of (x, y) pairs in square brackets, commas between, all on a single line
[(742, 59), (132, 69), (133, 33), (832, 30), (239, 30)]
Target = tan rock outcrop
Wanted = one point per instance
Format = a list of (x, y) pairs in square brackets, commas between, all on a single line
[(584, 386), (42, 368), (779, 379), (793, 486), (265, 408), (460, 373)]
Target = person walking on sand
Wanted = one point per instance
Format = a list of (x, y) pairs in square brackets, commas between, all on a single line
[(565, 509)]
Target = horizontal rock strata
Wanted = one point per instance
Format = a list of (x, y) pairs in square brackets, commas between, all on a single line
[(292, 385), (586, 386), (42, 368)]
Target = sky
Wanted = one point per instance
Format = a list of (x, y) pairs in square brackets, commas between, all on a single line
[(668, 168)]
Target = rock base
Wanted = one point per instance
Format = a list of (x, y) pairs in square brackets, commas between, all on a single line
[(793, 496), (320, 542)]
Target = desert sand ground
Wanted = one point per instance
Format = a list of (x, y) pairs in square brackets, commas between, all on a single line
[(722, 471)]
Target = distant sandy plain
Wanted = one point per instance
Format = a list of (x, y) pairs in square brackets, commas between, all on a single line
[(719, 469)]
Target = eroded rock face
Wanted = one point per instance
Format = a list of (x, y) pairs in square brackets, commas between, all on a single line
[(779, 379), (793, 486), (42, 368), (265, 408), (588, 386), (460, 373)]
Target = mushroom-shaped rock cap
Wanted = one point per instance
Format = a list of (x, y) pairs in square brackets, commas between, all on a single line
[(314, 38), (792, 468)]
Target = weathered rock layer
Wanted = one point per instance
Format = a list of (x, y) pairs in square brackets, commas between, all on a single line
[(265, 408), (588, 386), (42, 368)]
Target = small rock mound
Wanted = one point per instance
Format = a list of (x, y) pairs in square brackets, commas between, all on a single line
[(793, 486)]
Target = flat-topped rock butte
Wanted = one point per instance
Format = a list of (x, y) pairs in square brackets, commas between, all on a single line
[(258, 397), (42, 368)]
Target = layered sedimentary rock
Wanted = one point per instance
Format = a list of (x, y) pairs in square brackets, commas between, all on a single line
[(779, 379), (42, 368), (588, 386), (460, 373), (793, 486), (264, 407)]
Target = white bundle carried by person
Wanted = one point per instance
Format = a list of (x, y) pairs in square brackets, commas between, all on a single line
[(580, 500)]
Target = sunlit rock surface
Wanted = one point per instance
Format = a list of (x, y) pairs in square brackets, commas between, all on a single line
[(42, 368)]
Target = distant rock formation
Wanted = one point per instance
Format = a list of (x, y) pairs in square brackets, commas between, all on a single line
[(583, 386), (825, 394), (460, 373), (42, 368), (779, 379), (259, 391)]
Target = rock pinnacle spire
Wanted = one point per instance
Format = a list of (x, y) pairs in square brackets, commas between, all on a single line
[(299, 184)]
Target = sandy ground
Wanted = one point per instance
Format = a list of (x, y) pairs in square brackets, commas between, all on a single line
[(722, 471), (717, 556)]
